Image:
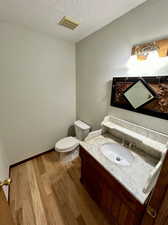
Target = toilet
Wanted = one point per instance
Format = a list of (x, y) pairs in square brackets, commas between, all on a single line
[(68, 147)]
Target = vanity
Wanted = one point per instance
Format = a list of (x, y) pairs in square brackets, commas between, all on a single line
[(121, 165)]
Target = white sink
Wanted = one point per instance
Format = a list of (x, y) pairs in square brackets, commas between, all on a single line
[(117, 153)]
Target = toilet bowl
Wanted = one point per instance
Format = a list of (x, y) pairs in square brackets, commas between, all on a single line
[(66, 144), (68, 147)]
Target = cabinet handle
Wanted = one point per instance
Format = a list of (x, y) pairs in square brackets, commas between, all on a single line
[(152, 212)]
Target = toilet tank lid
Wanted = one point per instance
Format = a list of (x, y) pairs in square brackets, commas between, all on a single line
[(82, 125)]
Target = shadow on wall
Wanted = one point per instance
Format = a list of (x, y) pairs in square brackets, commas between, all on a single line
[(71, 131), (108, 95)]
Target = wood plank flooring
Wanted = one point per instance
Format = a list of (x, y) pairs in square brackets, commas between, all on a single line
[(45, 191)]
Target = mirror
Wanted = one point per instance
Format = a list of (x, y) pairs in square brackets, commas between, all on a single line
[(138, 94), (147, 95)]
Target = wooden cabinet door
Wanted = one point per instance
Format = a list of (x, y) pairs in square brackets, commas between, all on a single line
[(110, 202), (116, 209), (92, 183), (157, 209), (91, 180), (162, 218), (5, 214)]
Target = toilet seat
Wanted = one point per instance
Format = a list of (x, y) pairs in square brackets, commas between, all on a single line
[(66, 144)]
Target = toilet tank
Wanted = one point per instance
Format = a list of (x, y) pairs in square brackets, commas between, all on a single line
[(81, 130)]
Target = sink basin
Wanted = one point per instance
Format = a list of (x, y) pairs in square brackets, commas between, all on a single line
[(117, 154)]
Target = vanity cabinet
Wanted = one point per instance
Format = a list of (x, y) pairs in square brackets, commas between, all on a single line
[(117, 203)]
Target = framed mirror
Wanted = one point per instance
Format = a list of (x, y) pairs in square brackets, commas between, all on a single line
[(147, 95)]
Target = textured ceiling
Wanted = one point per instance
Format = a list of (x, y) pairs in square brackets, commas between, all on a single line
[(43, 15)]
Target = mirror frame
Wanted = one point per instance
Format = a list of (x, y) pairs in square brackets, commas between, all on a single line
[(141, 109)]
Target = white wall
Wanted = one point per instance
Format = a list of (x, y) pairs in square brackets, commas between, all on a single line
[(106, 53), (37, 91)]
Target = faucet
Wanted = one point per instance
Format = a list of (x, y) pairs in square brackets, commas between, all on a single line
[(122, 140), (132, 145)]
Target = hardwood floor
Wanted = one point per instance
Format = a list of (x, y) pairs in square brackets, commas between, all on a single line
[(47, 192)]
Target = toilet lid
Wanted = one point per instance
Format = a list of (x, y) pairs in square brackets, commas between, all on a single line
[(66, 144)]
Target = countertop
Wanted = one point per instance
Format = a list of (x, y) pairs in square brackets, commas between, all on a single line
[(132, 177)]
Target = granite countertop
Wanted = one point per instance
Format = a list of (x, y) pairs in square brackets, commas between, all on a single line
[(132, 177)]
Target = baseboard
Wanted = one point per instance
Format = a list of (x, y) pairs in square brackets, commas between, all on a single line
[(23, 161), (30, 158)]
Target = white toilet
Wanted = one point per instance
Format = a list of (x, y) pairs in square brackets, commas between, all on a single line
[(68, 147)]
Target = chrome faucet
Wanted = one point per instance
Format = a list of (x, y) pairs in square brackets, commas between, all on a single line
[(122, 140)]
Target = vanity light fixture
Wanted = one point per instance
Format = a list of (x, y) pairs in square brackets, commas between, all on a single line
[(142, 51)]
